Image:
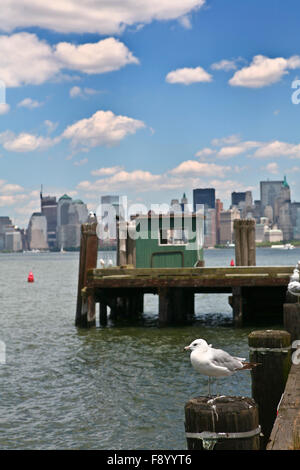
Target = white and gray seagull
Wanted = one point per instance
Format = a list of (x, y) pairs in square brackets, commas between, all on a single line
[(294, 284), (215, 362)]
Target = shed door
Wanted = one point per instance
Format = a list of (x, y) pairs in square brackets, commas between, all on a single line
[(169, 259)]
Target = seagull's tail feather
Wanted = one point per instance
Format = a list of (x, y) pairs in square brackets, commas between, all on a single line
[(249, 365)]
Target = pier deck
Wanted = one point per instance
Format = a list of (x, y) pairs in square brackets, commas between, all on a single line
[(218, 279), (257, 292)]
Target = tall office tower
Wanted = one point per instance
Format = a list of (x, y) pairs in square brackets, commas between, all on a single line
[(70, 215), (210, 228), (219, 209), (204, 196), (269, 191), (5, 225), (226, 225), (236, 198), (49, 210), (37, 232)]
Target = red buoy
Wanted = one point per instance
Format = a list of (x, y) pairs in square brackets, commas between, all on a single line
[(232, 263), (30, 277)]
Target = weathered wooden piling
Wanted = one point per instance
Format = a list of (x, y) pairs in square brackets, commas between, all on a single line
[(272, 350), (222, 423), (245, 247), (291, 320), (286, 430), (175, 305), (85, 311)]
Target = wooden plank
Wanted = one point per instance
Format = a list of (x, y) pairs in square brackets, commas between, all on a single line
[(286, 430)]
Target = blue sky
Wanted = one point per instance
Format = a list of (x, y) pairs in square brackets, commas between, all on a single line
[(149, 100)]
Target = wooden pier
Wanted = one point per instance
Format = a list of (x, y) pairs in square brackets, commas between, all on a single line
[(256, 292)]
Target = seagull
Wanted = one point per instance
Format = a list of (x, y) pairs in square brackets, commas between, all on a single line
[(215, 362), (110, 263), (295, 276), (102, 263), (294, 288)]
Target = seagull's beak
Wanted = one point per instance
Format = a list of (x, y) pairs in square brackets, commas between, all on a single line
[(187, 348)]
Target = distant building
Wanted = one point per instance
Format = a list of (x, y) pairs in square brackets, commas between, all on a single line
[(226, 225), (296, 231), (13, 241), (37, 232), (204, 196), (236, 198), (219, 209), (269, 192), (273, 235), (209, 228), (70, 216), (5, 225), (49, 210)]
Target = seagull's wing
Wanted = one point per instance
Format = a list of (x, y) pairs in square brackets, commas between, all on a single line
[(223, 359)]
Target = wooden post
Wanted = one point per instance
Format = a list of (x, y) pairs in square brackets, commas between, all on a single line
[(237, 236), (176, 305), (87, 260), (237, 306), (102, 314), (291, 320), (270, 348), (245, 245), (222, 423)]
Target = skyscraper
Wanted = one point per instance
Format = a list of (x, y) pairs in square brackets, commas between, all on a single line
[(49, 210), (204, 196)]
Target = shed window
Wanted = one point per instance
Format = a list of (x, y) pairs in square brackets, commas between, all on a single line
[(173, 237)]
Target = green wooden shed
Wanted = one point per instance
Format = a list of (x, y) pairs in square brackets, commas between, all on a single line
[(163, 241)]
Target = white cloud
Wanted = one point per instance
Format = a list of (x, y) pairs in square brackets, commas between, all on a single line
[(277, 148), (229, 140), (272, 168), (205, 152), (25, 142), (225, 65), (4, 108), (77, 91), (51, 126), (25, 59), (185, 21), (29, 103), (204, 169), (103, 128), (264, 71), (103, 56), (90, 16), (107, 171), (187, 76)]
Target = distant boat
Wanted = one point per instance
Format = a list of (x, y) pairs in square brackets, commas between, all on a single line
[(230, 245), (287, 246)]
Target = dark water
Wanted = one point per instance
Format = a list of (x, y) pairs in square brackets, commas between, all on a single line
[(120, 387)]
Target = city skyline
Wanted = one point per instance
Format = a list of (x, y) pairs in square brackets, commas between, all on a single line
[(150, 102)]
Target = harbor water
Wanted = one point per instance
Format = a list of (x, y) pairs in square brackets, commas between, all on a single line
[(119, 387)]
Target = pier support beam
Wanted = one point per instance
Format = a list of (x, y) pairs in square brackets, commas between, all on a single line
[(127, 306), (176, 305), (271, 349), (291, 320), (87, 260)]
